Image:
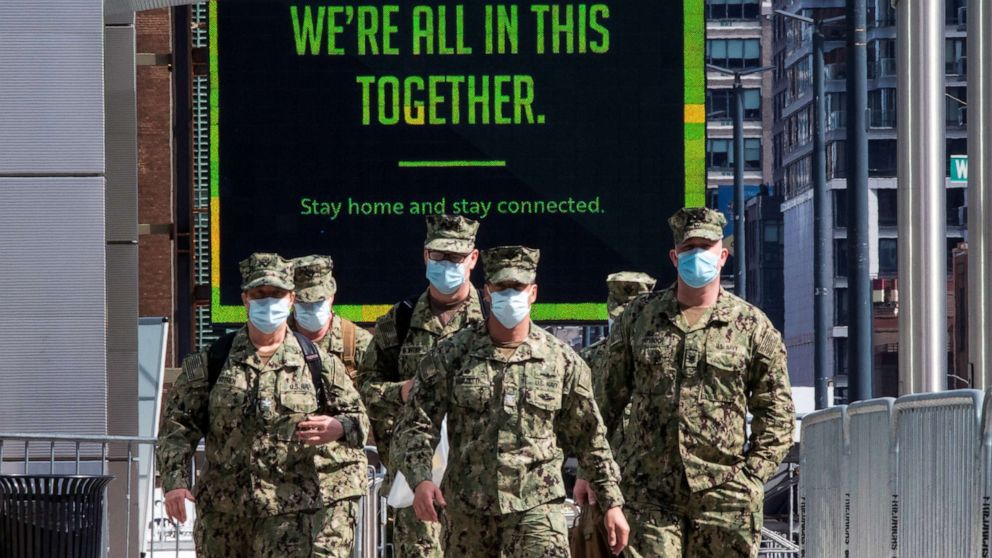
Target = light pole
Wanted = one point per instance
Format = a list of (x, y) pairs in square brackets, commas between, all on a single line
[(822, 273), (740, 247)]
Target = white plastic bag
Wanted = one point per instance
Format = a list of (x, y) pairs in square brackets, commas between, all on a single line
[(400, 495)]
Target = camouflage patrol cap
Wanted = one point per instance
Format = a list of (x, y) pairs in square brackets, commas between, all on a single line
[(451, 233), (312, 275), (624, 287), (261, 269), (511, 263), (697, 222)]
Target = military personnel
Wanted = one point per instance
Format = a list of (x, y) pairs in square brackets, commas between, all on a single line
[(314, 316), (692, 361), (402, 338), (282, 460), (622, 287), (515, 398)]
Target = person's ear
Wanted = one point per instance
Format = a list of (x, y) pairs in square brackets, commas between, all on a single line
[(487, 294), (244, 299), (425, 256), (533, 293), (472, 260), (674, 257), (292, 297)]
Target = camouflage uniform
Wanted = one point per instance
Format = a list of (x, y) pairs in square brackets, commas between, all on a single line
[(622, 287), (510, 417), (315, 283), (263, 493), (390, 361), (691, 486)]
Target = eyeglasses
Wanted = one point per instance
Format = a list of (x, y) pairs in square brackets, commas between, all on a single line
[(452, 257)]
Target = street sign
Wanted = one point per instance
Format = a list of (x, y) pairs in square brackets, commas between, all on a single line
[(959, 169)]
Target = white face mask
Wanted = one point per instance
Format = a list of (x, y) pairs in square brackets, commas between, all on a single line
[(510, 306), (313, 316), (267, 314)]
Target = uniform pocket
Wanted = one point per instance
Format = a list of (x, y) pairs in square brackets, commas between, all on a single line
[(724, 377)]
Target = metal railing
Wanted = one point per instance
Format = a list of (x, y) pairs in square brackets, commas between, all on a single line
[(77, 454)]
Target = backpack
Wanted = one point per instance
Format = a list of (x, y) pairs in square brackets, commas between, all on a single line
[(219, 350)]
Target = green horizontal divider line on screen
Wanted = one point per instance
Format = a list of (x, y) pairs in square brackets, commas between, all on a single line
[(580, 312), (448, 164)]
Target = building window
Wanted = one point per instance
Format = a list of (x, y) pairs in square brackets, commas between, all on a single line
[(888, 257), (953, 8), (720, 103), (840, 307), (840, 208), (888, 208), (734, 53), (720, 154), (955, 206), (882, 158), (732, 9), (881, 13), (955, 52), (840, 362), (882, 108), (956, 106), (840, 257), (836, 159)]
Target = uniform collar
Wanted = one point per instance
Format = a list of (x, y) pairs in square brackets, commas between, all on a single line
[(288, 354), (721, 312), (533, 347), (424, 319)]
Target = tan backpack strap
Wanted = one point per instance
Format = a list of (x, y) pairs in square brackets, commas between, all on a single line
[(348, 335)]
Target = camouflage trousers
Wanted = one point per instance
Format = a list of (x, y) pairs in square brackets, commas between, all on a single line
[(539, 532), (721, 522), (413, 538), (326, 533)]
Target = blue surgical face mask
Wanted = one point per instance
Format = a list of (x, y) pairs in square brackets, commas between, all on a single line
[(267, 314), (445, 276), (698, 267), (510, 306), (312, 316)]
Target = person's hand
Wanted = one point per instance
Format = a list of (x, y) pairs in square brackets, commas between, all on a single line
[(617, 529), (405, 390), (175, 504), (426, 495), (583, 493), (319, 429)]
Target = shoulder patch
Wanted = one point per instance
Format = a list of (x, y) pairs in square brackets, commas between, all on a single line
[(195, 367), (385, 329), (769, 343)]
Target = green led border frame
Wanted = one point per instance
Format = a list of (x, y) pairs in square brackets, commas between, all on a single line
[(694, 43)]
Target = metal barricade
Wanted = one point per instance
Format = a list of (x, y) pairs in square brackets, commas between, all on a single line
[(985, 544), (938, 493), (822, 483), (870, 482)]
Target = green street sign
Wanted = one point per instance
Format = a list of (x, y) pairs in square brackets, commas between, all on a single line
[(959, 168)]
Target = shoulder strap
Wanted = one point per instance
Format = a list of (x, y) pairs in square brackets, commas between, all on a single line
[(348, 338), (404, 313), (312, 357), (217, 356)]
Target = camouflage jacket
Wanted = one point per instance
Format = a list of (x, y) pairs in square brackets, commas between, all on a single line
[(389, 361), (690, 389), (598, 358), (509, 422), (333, 341), (254, 465)]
